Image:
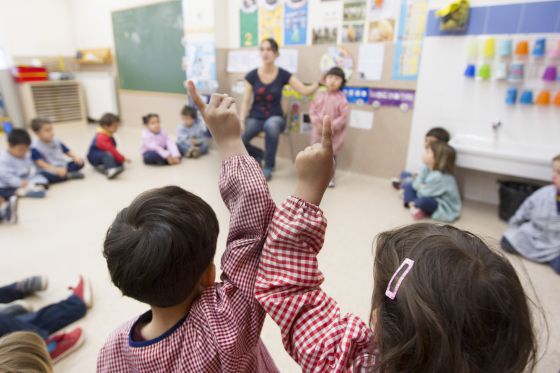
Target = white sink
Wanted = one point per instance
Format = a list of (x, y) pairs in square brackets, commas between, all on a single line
[(504, 157)]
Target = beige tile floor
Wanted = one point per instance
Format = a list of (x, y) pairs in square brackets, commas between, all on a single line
[(62, 235)]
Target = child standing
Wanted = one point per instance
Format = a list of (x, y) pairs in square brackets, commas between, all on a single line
[(51, 155), (534, 230), (332, 103), (434, 192), (157, 147), (190, 134), (443, 301), (160, 251), (433, 135), (103, 153), (18, 175)]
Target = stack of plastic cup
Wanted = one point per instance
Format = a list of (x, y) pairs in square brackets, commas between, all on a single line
[(543, 99), (522, 48), (539, 48), (550, 74), (505, 48), (526, 97), (484, 72), (511, 96), (516, 72), (489, 48), (470, 71)]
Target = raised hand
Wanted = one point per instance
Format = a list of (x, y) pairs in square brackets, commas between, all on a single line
[(221, 117), (315, 167)]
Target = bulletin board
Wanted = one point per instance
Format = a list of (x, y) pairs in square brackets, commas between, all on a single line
[(379, 151)]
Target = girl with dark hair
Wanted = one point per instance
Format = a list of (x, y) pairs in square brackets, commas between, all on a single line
[(261, 108), (157, 147)]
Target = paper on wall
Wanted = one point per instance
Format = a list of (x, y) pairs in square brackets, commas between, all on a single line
[(243, 61), (370, 61), (361, 119)]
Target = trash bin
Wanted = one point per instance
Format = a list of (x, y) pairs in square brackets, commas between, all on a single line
[(512, 194)]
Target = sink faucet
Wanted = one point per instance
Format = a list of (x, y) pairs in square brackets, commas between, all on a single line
[(496, 125)]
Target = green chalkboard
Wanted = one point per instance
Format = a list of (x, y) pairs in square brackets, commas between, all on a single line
[(148, 47)]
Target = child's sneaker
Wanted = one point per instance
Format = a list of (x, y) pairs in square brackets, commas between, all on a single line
[(396, 183), (83, 291), (16, 308), (36, 191), (195, 153), (114, 172), (75, 175), (332, 184), (267, 172), (100, 168), (31, 285), (417, 214), (63, 344), (13, 203)]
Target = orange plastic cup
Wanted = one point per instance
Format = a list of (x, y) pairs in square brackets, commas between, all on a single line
[(556, 100), (522, 48), (543, 99)]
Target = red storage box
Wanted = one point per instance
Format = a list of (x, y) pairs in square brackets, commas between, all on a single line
[(24, 74)]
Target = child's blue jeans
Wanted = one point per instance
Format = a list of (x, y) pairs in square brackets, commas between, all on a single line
[(427, 204), (70, 167), (47, 320)]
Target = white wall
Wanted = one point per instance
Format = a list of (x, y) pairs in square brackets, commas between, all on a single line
[(36, 28), (446, 98)]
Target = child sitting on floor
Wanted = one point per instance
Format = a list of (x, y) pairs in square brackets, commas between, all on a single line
[(160, 251), (51, 156), (191, 139), (443, 301), (49, 319), (103, 153), (433, 135), (157, 147), (332, 103), (18, 175), (434, 192), (534, 230)]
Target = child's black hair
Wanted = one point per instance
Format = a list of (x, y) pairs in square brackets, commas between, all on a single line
[(189, 111), (159, 246), (19, 136), (440, 133), (108, 119), (146, 118), (337, 71), (38, 123), (273, 44)]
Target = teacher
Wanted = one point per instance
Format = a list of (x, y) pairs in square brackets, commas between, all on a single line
[(262, 104)]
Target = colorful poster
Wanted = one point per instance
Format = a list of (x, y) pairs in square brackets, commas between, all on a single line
[(356, 95), (200, 47), (325, 20), (295, 22), (412, 25), (248, 23), (337, 57), (403, 98), (381, 20), (271, 15), (354, 17)]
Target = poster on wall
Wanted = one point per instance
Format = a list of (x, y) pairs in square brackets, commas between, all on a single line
[(248, 23), (382, 20), (353, 22), (408, 48), (295, 22), (325, 19), (200, 46), (271, 20)]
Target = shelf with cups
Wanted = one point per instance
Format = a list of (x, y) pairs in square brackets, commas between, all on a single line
[(530, 69)]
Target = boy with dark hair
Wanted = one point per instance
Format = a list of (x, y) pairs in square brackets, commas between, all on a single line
[(160, 250), (55, 160), (103, 153), (190, 134), (18, 176)]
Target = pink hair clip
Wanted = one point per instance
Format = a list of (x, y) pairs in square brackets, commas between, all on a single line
[(402, 271)]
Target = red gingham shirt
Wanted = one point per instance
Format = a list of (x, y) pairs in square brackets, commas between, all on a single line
[(314, 332), (221, 332)]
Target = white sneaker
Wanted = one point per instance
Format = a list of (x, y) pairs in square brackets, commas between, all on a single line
[(13, 206), (113, 172)]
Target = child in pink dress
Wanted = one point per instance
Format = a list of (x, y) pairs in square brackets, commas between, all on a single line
[(332, 103)]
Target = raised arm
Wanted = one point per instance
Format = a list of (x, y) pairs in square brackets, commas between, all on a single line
[(244, 191), (303, 89), (314, 332)]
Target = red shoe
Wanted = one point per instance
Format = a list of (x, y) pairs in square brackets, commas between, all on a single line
[(65, 343), (83, 291), (418, 214)]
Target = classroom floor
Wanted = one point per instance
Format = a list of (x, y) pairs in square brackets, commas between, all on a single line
[(62, 237)]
